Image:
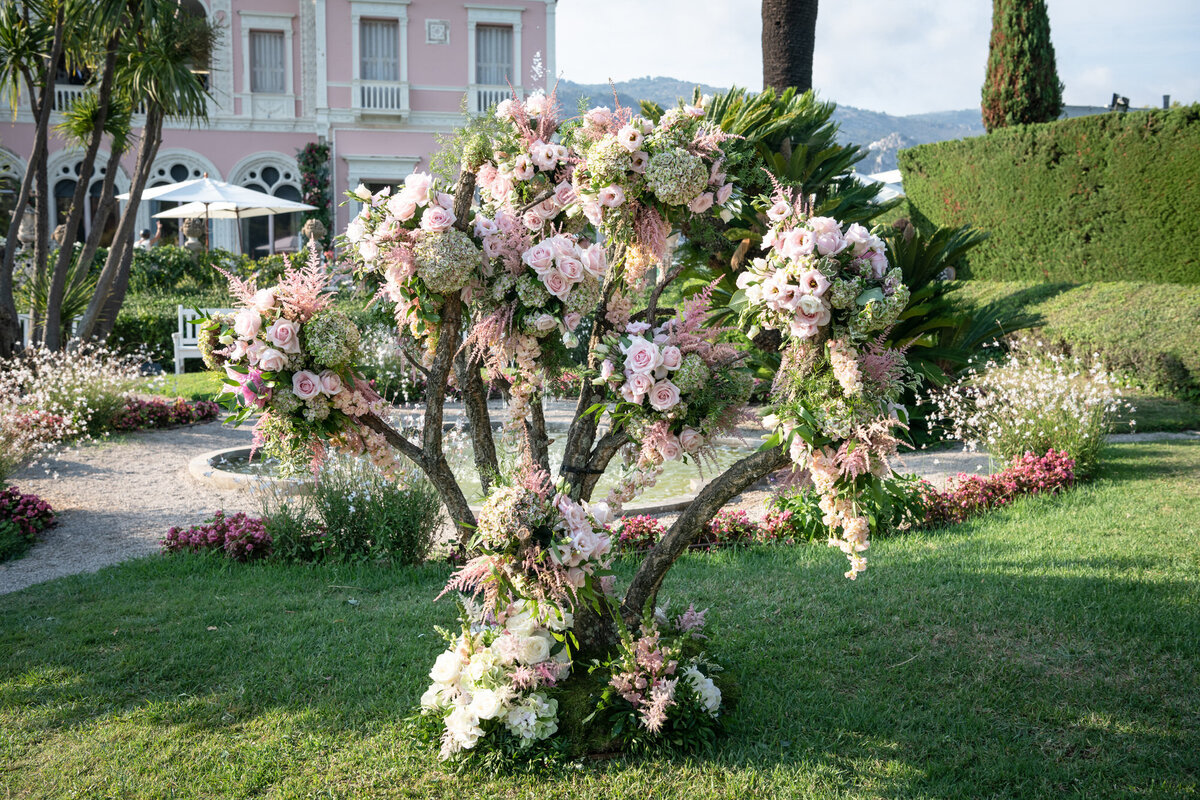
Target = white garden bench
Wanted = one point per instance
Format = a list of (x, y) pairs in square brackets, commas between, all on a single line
[(26, 323), (187, 338)]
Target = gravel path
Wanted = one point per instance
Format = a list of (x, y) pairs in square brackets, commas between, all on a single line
[(115, 500)]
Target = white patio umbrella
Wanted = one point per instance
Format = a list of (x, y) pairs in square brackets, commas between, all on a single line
[(209, 199)]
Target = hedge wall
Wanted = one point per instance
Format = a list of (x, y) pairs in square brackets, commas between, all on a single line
[(1103, 198), (1148, 331)]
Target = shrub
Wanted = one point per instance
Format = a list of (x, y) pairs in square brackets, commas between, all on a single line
[(1086, 199), (1030, 401), (239, 537), (900, 505), (971, 495), (167, 268), (634, 534), (22, 518), (366, 515), (156, 412), (27, 435), (1156, 342), (728, 527)]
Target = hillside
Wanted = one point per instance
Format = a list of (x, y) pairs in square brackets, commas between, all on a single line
[(883, 134)]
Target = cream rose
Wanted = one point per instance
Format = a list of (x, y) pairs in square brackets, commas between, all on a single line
[(540, 257), (669, 449), (642, 356), (671, 357), (402, 206), (533, 650), (640, 384), (571, 268), (486, 704), (556, 283), (690, 440), (263, 300), (331, 383), (595, 261), (446, 668), (437, 219)]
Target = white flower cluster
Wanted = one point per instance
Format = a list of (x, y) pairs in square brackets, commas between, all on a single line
[(494, 676)]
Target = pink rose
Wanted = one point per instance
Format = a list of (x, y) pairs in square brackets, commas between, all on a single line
[(642, 356), (571, 321), (271, 360), (593, 210), (331, 384), (254, 350), (437, 219), (445, 200), (671, 357), (595, 261), (263, 300), (576, 577), (695, 112), (556, 283), (630, 138), (830, 244), (540, 257), (606, 369), (546, 209), (419, 183), (820, 225), (533, 220), (703, 202), (402, 206), (285, 335), (640, 383), (571, 268), (544, 323), (564, 194), (664, 395), (611, 196), (635, 328), (629, 395), (690, 440), (599, 116), (306, 385), (779, 211), (879, 264), (669, 448), (858, 238), (247, 323), (723, 194)]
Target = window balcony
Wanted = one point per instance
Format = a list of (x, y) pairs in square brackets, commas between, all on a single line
[(484, 97), (380, 98)]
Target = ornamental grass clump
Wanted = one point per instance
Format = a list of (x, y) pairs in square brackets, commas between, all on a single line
[(1030, 401)]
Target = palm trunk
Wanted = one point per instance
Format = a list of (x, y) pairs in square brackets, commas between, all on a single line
[(58, 278), (114, 278), (789, 29), (104, 210), (42, 103)]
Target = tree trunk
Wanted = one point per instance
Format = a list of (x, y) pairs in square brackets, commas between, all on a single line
[(114, 278), (58, 277), (474, 393), (789, 29), (42, 103), (104, 210)]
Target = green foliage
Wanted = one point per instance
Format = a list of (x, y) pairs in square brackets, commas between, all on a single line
[(897, 504), (167, 267), (313, 161), (1098, 198), (1022, 84), (13, 541), (1149, 332)]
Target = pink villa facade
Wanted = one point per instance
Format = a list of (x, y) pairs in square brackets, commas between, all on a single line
[(376, 79)]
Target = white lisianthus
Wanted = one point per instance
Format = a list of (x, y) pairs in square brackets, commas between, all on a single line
[(709, 694), (463, 726), (480, 666)]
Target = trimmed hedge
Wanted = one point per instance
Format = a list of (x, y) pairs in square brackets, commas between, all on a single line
[(1100, 198), (1150, 332)]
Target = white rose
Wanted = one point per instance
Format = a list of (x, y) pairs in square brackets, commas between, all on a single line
[(709, 694), (264, 299), (486, 704), (480, 665), (446, 668), (534, 650)]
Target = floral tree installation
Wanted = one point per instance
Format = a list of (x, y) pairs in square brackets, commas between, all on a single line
[(569, 239)]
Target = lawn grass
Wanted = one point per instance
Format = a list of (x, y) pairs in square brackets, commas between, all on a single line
[(1049, 649), (189, 385)]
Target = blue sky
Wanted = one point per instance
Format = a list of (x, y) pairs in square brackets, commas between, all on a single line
[(899, 56)]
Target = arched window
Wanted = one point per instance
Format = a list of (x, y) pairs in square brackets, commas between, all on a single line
[(11, 172), (279, 233), (170, 171), (65, 177)]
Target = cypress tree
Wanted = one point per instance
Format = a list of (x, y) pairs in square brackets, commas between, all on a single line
[(1022, 82)]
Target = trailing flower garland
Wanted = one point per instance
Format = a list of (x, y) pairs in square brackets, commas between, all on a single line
[(313, 161), (827, 289)]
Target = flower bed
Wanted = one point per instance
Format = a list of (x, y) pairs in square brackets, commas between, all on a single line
[(22, 518), (156, 412), (971, 495), (241, 537)]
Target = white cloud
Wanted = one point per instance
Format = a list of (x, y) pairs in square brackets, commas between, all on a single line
[(900, 57)]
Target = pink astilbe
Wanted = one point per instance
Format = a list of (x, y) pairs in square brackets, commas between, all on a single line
[(881, 366), (474, 577), (691, 621), (650, 231), (305, 291), (485, 344), (662, 697), (244, 291), (708, 141), (853, 459)]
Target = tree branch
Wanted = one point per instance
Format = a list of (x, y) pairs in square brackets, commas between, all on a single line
[(735, 480), (605, 450), (474, 394)]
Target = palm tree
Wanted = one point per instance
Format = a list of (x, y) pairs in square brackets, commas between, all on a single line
[(789, 30), (31, 43), (157, 68)]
